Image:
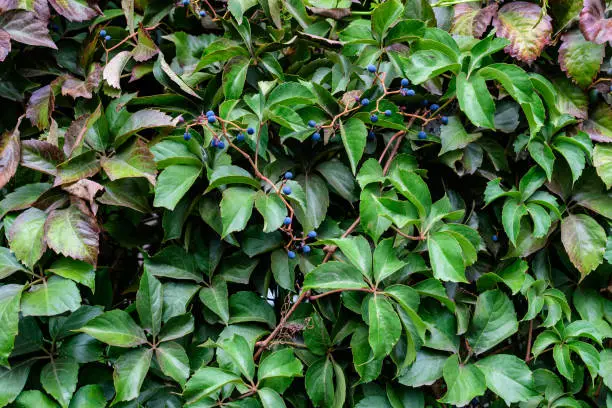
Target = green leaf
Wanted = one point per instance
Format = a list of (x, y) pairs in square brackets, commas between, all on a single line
[(425, 64), (234, 75), (602, 160), (543, 155), (426, 369), (513, 275), (563, 360), (10, 296), (509, 377), (215, 297), (334, 275), (59, 378), (463, 382), (373, 215), (584, 241), (475, 100), (130, 371), (385, 327), (78, 271), (223, 175), (494, 321), (241, 354), (149, 303), (354, 135), (340, 179), (22, 197), (134, 160), (173, 183), (588, 354), (580, 59), (320, 382), (454, 136), (512, 214), (56, 295), (290, 94), (272, 209), (236, 208), (13, 380), (26, 236), (357, 250), (386, 262), (281, 363), (173, 262), (412, 186), (34, 399), (173, 361), (249, 307), (88, 396), (365, 364), (446, 257), (605, 366), (384, 16), (206, 381), (116, 328), (73, 233)]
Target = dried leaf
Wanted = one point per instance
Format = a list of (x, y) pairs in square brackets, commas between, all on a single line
[(593, 22), (516, 22), (40, 106), (78, 88), (75, 10), (114, 68), (86, 190)]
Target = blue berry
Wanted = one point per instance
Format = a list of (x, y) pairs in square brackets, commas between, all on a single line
[(434, 107), (444, 120), (405, 82), (240, 137), (374, 118), (287, 221), (410, 92), (316, 136), (107, 38), (291, 254), (312, 123), (495, 238), (371, 135), (422, 135), (187, 136), (288, 175), (287, 190), (365, 101), (372, 68), (387, 112), (212, 119), (213, 143), (221, 144), (424, 102), (185, 2), (102, 33), (312, 234), (202, 13), (250, 130), (210, 113), (305, 249)]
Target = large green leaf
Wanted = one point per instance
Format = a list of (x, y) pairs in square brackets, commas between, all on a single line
[(10, 296), (320, 382), (26, 236), (386, 262), (173, 361), (56, 295), (135, 160), (494, 321), (354, 135), (334, 275), (173, 183), (280, 364), (249, 307), (215, 297), (584, 241), (509, 377), (385, 327), (475, 100), (173, 262), (130, 371), (206, 381), (463, 382), (580, 59), (59, 378), (116, 328), (446, 257), (149, 303), (236, 208)]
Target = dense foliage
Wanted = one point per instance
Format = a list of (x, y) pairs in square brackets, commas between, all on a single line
[(287, 203)]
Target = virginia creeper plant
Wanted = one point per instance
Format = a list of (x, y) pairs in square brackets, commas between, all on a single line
[(305, 203)]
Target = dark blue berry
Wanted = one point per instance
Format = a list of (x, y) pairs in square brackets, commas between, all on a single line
[(372, 68), (410, 92), (495, 238), (387, 112), (287, 221), (202, 13), (312, 123), (187, 136), (287, 190), (424, 102), (288, 175), (213, 143), (305, 249), (107, 38), (365, 101), (422, 135), (312, 234), (444, 120), (221, 144), (371, 135), (316, 136), (212, 119), (185, 2), (210, 113), (374, 118), (405, 82), (434, 107), (250, 130), (291, 254), (240, 137), (102, 33)]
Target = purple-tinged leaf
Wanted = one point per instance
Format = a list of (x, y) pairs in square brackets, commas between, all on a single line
[(145, 48), (516, 22), (10, 151), (41, 156), (135, 160), (78, 88), (599, 124), (24, 27), (76, 168), (5, 44), (75, 10), (580, 59), (40, 106), (114, 68), (471, 20), (593, 22)]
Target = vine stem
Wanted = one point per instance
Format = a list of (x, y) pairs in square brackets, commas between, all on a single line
[(529, 338)]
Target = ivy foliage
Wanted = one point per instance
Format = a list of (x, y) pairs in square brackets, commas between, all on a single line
[(286, 203)]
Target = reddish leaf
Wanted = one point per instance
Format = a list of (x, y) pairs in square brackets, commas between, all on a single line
[(77, 88), (593, 22), (41, 156), (24, 27), (471, 20), (146, 48), (73, 233), (86, 190), (40, 106), (75, 10), (78, 167), (516, 22), (5, 44), (134, 161), (39, 7), (76, 132), (580, 59), (9, 154), (599, 124)]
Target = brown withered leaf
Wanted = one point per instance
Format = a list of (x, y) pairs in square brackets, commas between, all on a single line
[(76, 132), (335, 13), (86, 190), (41, 156), (78, 88)]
